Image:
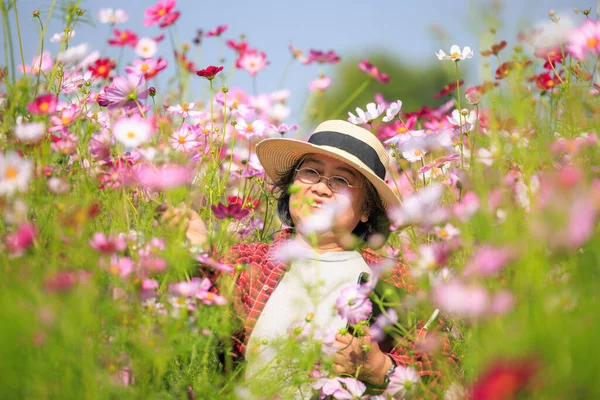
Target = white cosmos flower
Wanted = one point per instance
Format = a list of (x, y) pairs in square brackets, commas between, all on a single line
[(362, 117), (15, 173), (132, 131), (112, 17), (392, 111), (419, 206), (146, 47), (456, 54), (469, 119), (59, 37), (414, 154), (73, 55), (30, 132)]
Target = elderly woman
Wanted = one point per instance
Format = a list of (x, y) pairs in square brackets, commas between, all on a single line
[(338, 174)]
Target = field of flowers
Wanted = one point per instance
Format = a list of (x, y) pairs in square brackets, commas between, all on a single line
[(99, 298)]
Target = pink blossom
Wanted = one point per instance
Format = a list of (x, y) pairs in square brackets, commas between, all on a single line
[(467, 207), (321, 84), (65, 118), (282, 129), (148, 68), (585, 39), (190, 288), (502, 302), (169, 19), (322, 57), (488, 261), (184, 139), (461, 300), (21, 239), (153, 263), (107, 244), (377, 330), (122, 266), (184, 109), (402, 382), (124, 91), (252, 61), (353, 304), (155, 14), (35, 67), (373, 71), (353, 389), (164, 177), (251, 129), (232, 210), (209, 261)]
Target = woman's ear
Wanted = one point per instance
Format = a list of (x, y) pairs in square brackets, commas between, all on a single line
[(364, 218)]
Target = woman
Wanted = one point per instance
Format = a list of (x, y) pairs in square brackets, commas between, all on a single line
[(337, 203)]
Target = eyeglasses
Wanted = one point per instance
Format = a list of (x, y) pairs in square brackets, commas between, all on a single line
[(335, 183)]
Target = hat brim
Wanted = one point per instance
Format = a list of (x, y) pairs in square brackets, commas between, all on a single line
[(279, 155)]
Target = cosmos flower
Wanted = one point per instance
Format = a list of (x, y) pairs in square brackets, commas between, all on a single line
[(132, 131), (353, 304), (112, 17), (456, 54)]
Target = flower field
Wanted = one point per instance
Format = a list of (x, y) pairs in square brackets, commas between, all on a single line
[(101, 298)]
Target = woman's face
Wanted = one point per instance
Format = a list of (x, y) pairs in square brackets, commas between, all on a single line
[(309, 198)]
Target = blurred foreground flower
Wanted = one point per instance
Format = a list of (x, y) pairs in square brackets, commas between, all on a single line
[(132, 131), (18, 241), (15, 173), (164, 177), (585, 39), (504, 379), (43, 104), (354, 304), (373, 71)]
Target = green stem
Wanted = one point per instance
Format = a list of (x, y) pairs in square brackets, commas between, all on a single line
[(285, 72), (351, 98), (37, 83), (19, 36), (5, 29), (459, 117), (8, 39)]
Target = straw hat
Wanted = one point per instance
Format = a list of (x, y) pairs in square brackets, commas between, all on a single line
[(339, 139)]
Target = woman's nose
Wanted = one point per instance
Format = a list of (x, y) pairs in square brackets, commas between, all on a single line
[(322, 187)]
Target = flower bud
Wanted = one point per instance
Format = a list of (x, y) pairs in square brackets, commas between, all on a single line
[(152, 91), (36, 13), (224, 89), (551, 13), (464, 112), (79, 12), (587, 12)]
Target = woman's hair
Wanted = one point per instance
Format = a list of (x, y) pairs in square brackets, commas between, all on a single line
[(378, 222)]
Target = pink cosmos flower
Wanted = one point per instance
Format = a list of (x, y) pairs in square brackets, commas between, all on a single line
[(38, 64), (252, 61), (155, 14), (320, 84), (585, 39), (353, 304), (122, 266), (402, 382), (124, 91), (322, 57), (377, 330), (164, 177), (63, 281), (184, 109), (43, 104), (123, 38), (21, 239), (112, 17), (217, 31), (184, 139), (281, 129), (108, 244), (251, 129), (65, 119), (205, 259), (153, 263), (373, 71), (459, 299), (169, 19), (488, 261), (100, 144), (352, 389), (148, 68)]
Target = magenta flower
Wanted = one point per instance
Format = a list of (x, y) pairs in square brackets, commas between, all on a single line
[(322, 57), (21, 239), (209, 261), (108, 244), (373, 71), (44, 104), (353, 304), (217, 31), (585, 39), (488, 261), (148, 68), (169, 19), (461, 300), (124, 91), (164, 177), (155, 14), (232, 210), (153, 263)]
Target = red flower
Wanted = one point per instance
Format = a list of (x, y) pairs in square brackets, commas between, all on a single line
[(124, 38), (546, 81), (102, 68), (504, 69), (217, 31), (44, 104), (247, 203), (504, 379), (496, 48), (373, 71), (449, 88), (209, 72)]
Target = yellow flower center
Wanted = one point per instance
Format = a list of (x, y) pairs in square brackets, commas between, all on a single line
[(417, 152), (210, 296), (44, 106), (443, 233), (113, 269), (249, 128), (162, 12), (102, 70), (401, 129), (131, 134), (181, 139), (185, 107), (66, 120), (234, 104), (11, 173), (123, 36), (550, 83), (455, 55), (145, 67), (592, 42), (145, 48)]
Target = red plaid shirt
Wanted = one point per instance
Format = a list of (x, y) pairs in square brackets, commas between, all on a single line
[(257, 282)]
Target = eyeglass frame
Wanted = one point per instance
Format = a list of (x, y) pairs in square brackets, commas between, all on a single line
[(321, 176)]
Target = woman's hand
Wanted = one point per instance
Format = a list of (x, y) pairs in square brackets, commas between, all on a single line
[(195, 229), (362, 353)]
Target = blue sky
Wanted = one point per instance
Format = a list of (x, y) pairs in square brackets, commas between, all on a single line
[(402, 28)]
